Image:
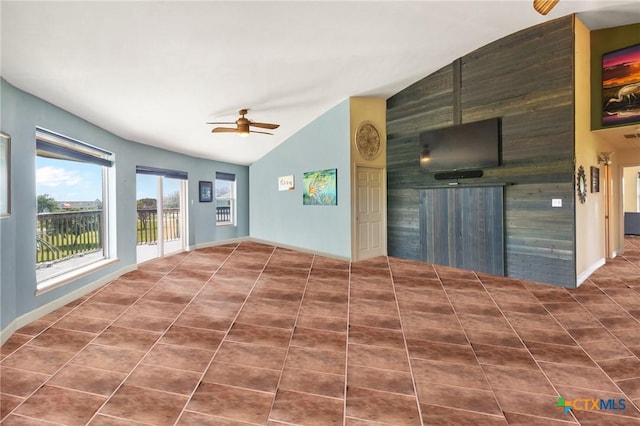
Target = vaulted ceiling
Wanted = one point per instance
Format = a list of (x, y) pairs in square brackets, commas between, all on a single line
[(155, 71)]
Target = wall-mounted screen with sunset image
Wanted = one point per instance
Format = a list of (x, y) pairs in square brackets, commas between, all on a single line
[(621, 86)]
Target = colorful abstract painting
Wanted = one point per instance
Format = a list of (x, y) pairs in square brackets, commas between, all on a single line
[(320, 188), (621, 86)]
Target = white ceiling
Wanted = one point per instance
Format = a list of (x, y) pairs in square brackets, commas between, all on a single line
[(155, 71)]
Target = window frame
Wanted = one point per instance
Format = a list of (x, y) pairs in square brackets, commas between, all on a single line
[(5, 178), (231, 178), (64, 148)]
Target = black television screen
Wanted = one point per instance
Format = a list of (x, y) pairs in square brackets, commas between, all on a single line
[(464, 147)]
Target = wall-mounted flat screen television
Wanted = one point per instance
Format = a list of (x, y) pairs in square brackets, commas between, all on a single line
[(463, 147)]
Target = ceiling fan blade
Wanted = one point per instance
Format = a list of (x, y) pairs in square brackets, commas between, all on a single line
[(544, 6), (242, 126), (264, 125)]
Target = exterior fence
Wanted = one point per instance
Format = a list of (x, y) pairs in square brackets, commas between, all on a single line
[(63, 235), (67, 234), (148, 225), (223, 214)]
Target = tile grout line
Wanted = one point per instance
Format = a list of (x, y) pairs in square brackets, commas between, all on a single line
[(406, 346), (233, 321), (51, 376), (637, 406), (95, 293), (585, 307), (569, 334), (346, 351), (466, 336), (46, 422), (293, 331), (535, 360), (135, 422), (162, 334)]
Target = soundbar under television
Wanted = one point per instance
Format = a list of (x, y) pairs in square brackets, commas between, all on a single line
[(464, 147)]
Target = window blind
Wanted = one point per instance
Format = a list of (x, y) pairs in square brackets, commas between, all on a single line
[(225, 176), (174, 174), (54, 145)]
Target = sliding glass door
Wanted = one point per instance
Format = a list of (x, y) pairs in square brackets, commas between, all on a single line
[(161, 213)]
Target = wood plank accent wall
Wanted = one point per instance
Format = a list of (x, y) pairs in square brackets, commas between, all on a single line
[(527, 79), (469, 222)]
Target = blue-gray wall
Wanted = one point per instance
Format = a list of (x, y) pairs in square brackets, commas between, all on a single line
[(279, 216), (20, 114)]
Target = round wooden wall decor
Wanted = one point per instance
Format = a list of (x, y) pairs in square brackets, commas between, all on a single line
[(368, 140)]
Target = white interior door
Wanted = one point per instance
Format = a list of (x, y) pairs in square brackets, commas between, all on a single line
[(370, 213)]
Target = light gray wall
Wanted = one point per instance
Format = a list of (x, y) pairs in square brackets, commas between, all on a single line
[(279, 216), (202, 226), (20, 114)]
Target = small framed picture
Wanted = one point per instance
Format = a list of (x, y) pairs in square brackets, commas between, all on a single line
[(206, 191), (320, 188), (286, 183)]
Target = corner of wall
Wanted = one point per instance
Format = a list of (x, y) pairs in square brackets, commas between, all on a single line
[(280, 216), (21, 113), (603, 41), (372, 110), (589, 216)]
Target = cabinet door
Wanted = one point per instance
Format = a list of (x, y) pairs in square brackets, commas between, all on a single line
[(463, 227)]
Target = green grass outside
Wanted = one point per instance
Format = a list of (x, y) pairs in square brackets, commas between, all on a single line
[(149, 234), (54, 247)]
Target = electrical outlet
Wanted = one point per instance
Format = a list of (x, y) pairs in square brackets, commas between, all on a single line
[(556, 202)]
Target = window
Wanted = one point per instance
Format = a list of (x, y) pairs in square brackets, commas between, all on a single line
[(71, 194), (5, 175), (161, 209), (225, 198)]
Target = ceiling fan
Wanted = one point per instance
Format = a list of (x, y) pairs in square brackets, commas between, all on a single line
[(243, 125), (544, 6)]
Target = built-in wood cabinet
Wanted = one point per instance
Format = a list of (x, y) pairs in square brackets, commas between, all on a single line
[(463, 227)]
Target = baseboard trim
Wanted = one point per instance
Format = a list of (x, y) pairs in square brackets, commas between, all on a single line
[(220, 243), (590, 270), (43, 310), (268, 242), (300, 249)]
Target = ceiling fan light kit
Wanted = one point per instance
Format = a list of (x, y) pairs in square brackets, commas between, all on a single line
[(544, 6), (243, 126)]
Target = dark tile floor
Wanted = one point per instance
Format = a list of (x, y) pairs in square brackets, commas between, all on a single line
[(253, 334)]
